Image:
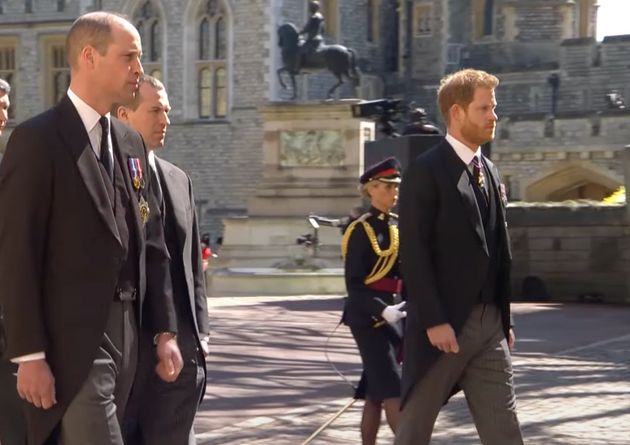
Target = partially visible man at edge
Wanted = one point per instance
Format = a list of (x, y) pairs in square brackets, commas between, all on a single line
[(82, 247), (12, 427), (162, 413), (5, 103)]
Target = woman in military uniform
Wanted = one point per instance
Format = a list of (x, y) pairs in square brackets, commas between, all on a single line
[(370, 251)]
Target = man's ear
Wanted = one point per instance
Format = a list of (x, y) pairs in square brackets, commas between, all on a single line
[(122, 113), (456, 112), (87, 56)]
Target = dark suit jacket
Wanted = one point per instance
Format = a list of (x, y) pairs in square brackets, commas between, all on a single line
[(444, 253), (60, 251), (178, 194)]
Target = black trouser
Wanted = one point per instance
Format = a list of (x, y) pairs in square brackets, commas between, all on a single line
[(12, 423)]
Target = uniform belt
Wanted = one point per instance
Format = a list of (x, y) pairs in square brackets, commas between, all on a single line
[(386, 284), (125, 295)]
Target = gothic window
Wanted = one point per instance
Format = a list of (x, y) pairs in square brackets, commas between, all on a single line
[(8, 71), (373, 21), (422, 18), (212, 57), (219, 39), (149, 25), (483, 18), (488, 18), (329, 10), (585, 15), (57, 77)]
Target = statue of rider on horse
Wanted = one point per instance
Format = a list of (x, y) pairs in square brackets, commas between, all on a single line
[(312, 54)]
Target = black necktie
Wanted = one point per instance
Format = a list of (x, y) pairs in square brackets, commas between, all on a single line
[(106, 153), (158, 189)]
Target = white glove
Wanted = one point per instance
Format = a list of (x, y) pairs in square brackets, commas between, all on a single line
[(393, 313)]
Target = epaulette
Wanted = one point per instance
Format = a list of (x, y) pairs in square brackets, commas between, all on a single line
[(346, 235)]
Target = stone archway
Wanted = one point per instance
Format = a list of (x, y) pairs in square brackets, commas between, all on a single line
[(575, 181)]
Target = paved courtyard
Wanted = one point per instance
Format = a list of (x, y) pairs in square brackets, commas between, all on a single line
[(270, 382)]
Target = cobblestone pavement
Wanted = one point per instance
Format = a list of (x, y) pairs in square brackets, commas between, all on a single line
[(271, 384)]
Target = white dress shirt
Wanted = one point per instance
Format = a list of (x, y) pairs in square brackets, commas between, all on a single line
[(463, 151), (90, 118), (466, 155)]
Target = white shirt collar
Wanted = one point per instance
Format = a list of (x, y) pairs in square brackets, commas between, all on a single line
[(462, 150), (89, 116), (152, 160)]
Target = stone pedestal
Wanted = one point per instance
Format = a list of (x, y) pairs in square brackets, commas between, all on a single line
[(313, 156)]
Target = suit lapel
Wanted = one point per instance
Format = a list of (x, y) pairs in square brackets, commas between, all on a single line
[(124, 152), (175, 195), (75, 136), (495, 183), (459, 174)]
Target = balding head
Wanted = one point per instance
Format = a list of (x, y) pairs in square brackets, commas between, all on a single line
[(93, 29)]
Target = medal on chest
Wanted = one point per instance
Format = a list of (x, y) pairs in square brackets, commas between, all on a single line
[(144, 210), (135, 169)]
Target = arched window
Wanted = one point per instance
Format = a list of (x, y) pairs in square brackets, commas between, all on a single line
[(329, 9), (220, 93), (212, 70), (149, 25), (488, 18), (205, 93), (204, 39), (373, 21), (483, 18), (219, 38)]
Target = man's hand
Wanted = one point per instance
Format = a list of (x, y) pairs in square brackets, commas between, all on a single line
[(511, 339), (170, 361), (393, 313), (442, 337), (36, 383)]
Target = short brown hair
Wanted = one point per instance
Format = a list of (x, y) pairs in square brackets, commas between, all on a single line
[(94, 29), (134, 103), (459, 88)]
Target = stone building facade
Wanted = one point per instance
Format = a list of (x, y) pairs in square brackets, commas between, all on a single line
[(558, 136), (218, 59)]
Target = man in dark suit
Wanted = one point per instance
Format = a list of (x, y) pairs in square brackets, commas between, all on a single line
[(163, 413), (82, 246), (12, 427), (456, 262), (5, 103)]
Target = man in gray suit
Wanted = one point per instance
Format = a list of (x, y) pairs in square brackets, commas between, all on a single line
[(163, 413), (455, 253), (12, 427)]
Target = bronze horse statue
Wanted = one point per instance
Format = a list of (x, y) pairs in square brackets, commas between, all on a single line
[(337, 59)]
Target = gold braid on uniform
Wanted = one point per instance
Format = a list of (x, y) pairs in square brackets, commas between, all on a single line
[(386, 258)]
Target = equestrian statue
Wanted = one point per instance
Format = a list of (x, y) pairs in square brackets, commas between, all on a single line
[(305, 52)]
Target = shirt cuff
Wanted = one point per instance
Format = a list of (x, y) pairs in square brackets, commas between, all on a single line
[(29, 357)]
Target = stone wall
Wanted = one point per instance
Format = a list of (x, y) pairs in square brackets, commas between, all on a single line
[(223, 156), (571, 149), (576, 249)]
